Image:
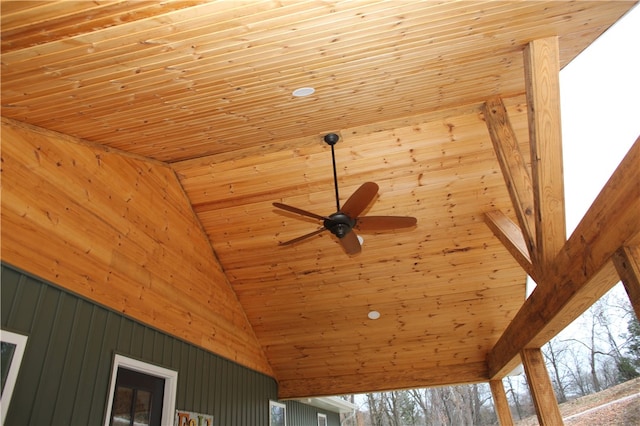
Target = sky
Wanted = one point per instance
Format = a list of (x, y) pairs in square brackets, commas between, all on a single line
[(600, 112)]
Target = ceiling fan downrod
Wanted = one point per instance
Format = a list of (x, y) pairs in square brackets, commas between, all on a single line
[(331, 139)]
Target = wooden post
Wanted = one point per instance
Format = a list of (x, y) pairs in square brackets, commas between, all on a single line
[(542, 80), (627, 262), (500, 403), (540, 387)]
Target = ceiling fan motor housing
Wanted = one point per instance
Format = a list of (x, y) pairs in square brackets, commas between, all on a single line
[(339, 224)]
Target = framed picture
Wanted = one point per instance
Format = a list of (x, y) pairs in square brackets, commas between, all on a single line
[(12, 349)]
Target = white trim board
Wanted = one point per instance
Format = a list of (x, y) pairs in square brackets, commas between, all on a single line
[(20, 341), (170, 385)]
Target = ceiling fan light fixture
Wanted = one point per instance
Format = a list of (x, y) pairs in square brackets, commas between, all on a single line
[(303, 91)]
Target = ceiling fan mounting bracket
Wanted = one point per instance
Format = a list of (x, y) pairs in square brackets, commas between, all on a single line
[(331, 139)]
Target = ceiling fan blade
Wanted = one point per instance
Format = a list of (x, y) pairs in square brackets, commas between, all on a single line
[(384, 223), (299, 211), (350, 243), (303, 237), (360, 199)]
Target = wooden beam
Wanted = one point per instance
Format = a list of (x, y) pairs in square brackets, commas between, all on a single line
[(540, 387), (500, 403), (542, 71), (627, 263), (324, 384), (582, 269), (514, 169), (511, 237)]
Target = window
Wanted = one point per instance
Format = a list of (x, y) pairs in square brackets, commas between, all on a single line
[(277, 414), (140, 394), (12, 348), (137, 399), (322, 419)]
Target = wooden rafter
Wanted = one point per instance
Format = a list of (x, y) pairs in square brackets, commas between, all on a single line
[(542, 71), (627, 263), (582, 270), (516, 175), (511, 237)]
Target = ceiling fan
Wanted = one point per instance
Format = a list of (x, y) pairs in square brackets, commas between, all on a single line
[(345, 219)]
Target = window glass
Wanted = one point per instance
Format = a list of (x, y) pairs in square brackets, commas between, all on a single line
[(277, 414), (122, 406), (8, 349), (137, 399), (143, 408)]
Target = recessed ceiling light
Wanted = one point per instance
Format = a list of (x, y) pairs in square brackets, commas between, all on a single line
[(373, 315), (360, 239), (303, 91)]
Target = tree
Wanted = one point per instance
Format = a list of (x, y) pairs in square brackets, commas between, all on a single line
[(629, 365), (399, 408), (553, 353), (634, 340), (421, 398), (376, 409), (515, 397)]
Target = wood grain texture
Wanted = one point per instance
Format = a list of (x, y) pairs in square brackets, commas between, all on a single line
[(203, 78), (511, 237), (541, 388), (515, 170), (501, 403), (119, 231), (434, 314), (542, 76), (202, 91), (583, 270), (627, 263)]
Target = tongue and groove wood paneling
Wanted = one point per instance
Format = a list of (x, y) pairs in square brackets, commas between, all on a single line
[(119, 230), (179, 80), (203, 90), (445, 289)]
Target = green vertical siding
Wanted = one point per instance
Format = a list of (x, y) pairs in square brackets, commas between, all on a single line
[(302, 414), (65, 373), (67, 364)]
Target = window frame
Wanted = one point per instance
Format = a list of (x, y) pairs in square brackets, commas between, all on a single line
[(280, 405), (20, 342), (170, 385), (322, 416)]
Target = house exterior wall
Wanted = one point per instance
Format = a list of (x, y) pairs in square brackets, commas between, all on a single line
[(65, 372), (302, 414)]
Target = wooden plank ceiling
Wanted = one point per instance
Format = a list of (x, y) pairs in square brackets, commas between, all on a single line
[(207, 88)]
